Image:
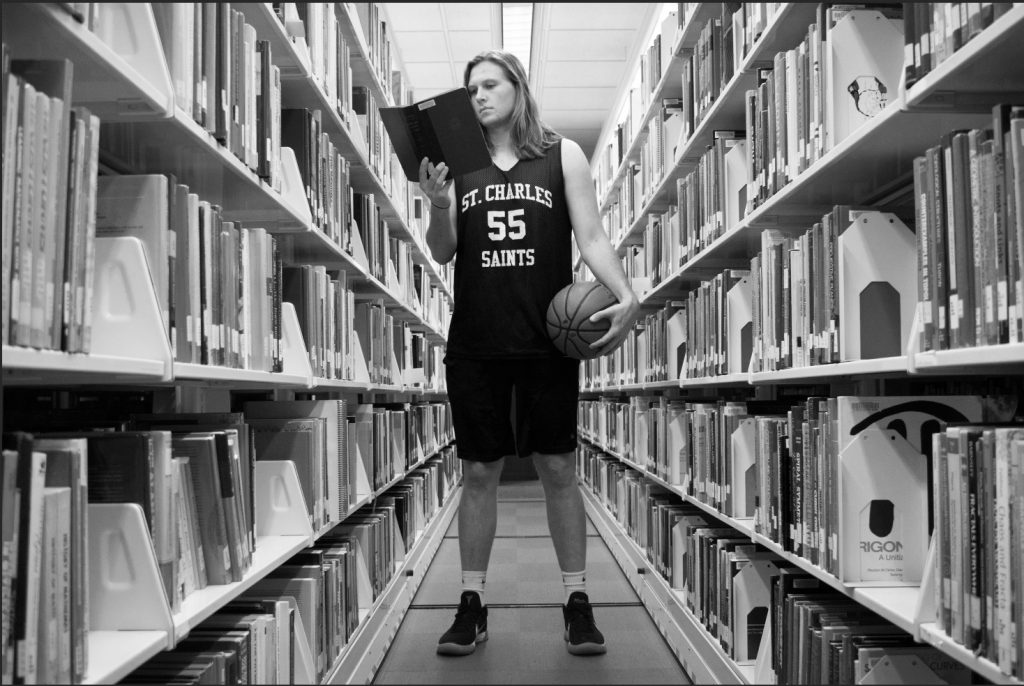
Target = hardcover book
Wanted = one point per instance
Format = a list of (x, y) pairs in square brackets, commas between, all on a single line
[(443, 128)]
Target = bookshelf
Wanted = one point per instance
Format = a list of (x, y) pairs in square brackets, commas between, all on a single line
[(872, 167), (122, 75)]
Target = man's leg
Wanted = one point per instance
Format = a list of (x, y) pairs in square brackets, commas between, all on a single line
[(478, 512), (478, 520), (567, 522)]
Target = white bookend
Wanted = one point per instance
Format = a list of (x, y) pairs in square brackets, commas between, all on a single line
[(361, 373), (877, 291), (744, 468), (901, 669), (924, 608), (736, 176), (740, 321), (763, 672), (293, 193), (296, 360), (126, 321), (883, 510), (279, 503), (123, 573), (396, 370), (865, 58), (358, 251)]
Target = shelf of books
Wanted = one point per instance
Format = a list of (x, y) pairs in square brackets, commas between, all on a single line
[(702, 657), (176, 281), (959, 77), (368, 646), (118, 74), (829, 266)]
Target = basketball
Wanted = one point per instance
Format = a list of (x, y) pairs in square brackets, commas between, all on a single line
[(568, 318)]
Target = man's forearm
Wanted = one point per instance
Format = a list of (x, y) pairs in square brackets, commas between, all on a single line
[(441, 238), (607, 267)]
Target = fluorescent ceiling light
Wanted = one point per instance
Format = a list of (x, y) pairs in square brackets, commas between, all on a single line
[(517, 30)]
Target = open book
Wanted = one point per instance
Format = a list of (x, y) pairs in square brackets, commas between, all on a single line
[(443, 128)]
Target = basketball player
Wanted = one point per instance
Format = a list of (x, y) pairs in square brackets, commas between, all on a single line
[(511, 227)]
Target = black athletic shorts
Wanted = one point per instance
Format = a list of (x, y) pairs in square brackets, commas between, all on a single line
[(509, 407)]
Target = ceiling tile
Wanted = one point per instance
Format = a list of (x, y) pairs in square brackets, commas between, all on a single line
[(432, 75), (583, 73), (595, 15), (421, 46), (466, 45), (472, 16), (595, 99), (589, 45), (414, 16)]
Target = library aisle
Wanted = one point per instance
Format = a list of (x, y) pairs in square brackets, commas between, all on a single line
[(524, 594)]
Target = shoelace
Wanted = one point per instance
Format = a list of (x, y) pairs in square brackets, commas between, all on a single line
[(584, 616), (464, 619)]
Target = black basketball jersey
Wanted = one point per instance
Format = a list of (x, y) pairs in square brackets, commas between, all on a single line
[(514, 253)]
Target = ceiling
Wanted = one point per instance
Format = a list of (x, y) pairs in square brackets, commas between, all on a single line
[(583, 54)]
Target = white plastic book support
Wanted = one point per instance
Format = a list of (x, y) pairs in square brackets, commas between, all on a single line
[(293, 349), (278, 501), (126, 319), (129, 30), (123, 573), (396, 370), (293, 193), (358, 251), (879, 466), (740, 303), (360, 372), (877, 291), (925, 607), (901, 669), (393, 285), (763, 673), (913, 346)]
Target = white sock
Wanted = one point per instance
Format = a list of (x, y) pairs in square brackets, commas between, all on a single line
[(574, 581), (474, 581)]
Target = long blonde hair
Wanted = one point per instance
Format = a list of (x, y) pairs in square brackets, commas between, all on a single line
[(531, 137)]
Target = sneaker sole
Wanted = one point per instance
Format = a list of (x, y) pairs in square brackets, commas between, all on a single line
[(458, 648), (584, 648)]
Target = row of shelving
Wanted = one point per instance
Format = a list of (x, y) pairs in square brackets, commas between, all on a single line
[(700, 656), (911, 608), (958, 78), (985, 359), (129, 346), (120, 642), (121, 74), (911, 122)]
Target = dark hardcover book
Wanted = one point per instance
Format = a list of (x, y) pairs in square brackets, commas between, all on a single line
[(443, 128), (910, 49), (924, 229), (937, 247), (31, 474), (9, 522), (222, 75)]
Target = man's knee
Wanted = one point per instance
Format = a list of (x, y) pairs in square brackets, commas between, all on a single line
[(481, 475), (556, 470)]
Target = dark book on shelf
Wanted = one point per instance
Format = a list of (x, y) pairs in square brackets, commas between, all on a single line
[(443, 128)]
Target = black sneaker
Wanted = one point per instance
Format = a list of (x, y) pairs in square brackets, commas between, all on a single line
[(468, 629), (581, 634)]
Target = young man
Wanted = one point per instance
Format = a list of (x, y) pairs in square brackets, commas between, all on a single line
[(511, 227)]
